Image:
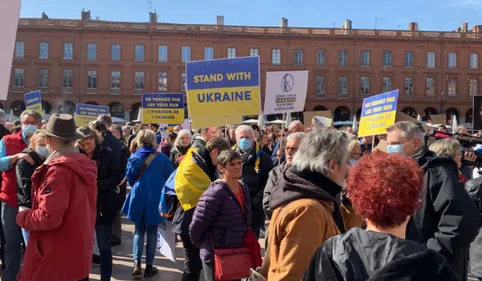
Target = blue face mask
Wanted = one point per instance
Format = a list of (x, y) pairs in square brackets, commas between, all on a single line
[(244, 144), (395, 148), (42, 151), (29, 130)]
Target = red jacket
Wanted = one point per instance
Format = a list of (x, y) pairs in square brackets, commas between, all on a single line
[(14, 145), (61, 221)]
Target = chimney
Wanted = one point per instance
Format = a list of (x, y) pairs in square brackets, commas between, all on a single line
[(413, 26), (284, 22), (477, 29), (85, 15), (465, 27), (348, 24), (220, 20), (153, 17)]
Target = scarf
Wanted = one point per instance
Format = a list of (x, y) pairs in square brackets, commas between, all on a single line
[(245, 156), (56, 154)]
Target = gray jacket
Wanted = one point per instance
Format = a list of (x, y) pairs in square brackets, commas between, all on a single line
[(270, 185)]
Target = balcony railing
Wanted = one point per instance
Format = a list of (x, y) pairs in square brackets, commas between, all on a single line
[(247, 30), (342, 96)]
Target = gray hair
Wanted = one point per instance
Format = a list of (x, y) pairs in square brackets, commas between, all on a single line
[(295, 124), (2, 117), (408, 130), (299, 136), (242, 128), (146, 138), (35, 114), (319, 147), (181, 134)]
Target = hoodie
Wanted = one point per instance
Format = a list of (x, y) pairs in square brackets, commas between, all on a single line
[(360, 255), (63, 214)]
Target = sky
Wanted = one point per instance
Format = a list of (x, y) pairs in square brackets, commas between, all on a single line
[(438, 15)]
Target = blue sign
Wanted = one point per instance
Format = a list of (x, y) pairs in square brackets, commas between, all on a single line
[(378, 113), (163, 108), (33, 101), (86, 113)]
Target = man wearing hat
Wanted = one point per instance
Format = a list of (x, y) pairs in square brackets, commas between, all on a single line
[(61, 221)]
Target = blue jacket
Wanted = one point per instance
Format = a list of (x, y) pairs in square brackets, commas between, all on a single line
[(146, 193)]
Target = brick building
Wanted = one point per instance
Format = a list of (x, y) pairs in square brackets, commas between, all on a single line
[(113, 63)]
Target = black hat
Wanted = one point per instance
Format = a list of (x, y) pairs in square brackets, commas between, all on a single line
[(62, 126)]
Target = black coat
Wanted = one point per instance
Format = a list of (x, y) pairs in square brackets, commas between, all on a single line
[(113, 143), (124, 157), (24, 171), (360, 255), (474, 188), (447, 221)]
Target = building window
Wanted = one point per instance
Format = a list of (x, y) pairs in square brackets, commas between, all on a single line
[(430, 59), (343, 58), (473, 88), (387, 58), (183, 81), (43, 78), (364, 86), (139, 53), (276, 56), (67, 78), (92, 51), (430, 84), (185, 54), (44, 50), (299, 57), (409, 59), (115, 79), (115, 52), (452, 86), (365, 58), (68, 51), (474, 60), (320, 57), (387, 84), (452, 60), (162, 53), (343, 85), (19, 77), (91, 79), (253, 52), (320, 85), (408, 84), (231, 53), (162, 81), (19, 49), (208, 53), (139, 81)]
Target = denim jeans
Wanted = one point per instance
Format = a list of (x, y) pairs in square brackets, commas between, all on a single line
[(104, 237), (192, 260), (151, 243), (13, 242)]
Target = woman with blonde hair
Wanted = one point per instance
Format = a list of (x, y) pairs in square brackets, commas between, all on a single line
[(38, 151), (450, 148)]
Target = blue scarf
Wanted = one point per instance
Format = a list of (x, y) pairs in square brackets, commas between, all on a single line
[(144, 152)]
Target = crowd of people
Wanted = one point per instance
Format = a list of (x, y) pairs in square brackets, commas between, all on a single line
[(330, 205)]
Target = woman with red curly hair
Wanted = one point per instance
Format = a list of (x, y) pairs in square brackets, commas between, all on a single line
[(385, 189)]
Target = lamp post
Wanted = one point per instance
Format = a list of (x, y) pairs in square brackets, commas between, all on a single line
[(442, 101)]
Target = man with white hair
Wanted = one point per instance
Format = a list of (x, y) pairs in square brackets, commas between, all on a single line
[(295, 127), (447, 221), (206, 135), (256, 167)]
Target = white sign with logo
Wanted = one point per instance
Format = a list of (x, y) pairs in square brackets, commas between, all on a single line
[(285, 92)]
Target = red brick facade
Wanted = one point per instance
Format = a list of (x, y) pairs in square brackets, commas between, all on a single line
[(387, 60)]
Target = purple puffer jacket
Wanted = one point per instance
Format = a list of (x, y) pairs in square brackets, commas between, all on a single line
[(219, 213)]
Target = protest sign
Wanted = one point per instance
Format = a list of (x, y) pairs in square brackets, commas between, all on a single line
[(33, 101), (378, 113), (9, 15), (166, 241), (327, 122), (309, 115), (86, 113), (163, 108), (224, 87), (477, 112), (285, 92), (205, 122), (439, 119)]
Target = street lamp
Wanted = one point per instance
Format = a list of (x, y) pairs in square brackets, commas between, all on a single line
[(442, 101)]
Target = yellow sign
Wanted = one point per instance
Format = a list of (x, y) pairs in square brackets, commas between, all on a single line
[(86, 113), (33, 101), (378, 113), (163, 108), (205, 122)]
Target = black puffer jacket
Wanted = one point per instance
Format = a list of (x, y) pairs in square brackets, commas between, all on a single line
[(474, 188), (447, 221), (24, 172), (360, 255)]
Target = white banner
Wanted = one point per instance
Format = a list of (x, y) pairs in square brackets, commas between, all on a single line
[(285, 92), (166, 241), (9, 14)]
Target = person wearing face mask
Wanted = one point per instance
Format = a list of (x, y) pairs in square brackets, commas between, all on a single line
[(257, 165), (39, 152), (11, 151), (448, 220)]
